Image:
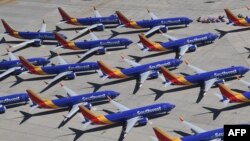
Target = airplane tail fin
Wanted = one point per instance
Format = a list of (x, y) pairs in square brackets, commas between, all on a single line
[(60, 39), (170, 76), (26, 63), (230, 94), (35, 98), (231, 16), (7, 27), (88, 114), (163, 136), (146, 42), (122, 18), (105, 68), (64, 15)]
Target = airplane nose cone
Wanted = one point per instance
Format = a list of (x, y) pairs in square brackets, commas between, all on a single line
[(172, 106), (246, 70), (115, 94), (190, 20), (130, 42)]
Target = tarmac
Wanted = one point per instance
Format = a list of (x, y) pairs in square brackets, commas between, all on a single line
[(228, 51)]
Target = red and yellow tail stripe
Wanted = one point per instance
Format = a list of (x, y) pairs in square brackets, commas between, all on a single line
[(163, 136), (126, 21), (32, 69), (232, 95), (66, 44), (151, 45), (10, 30), (236, 20), (68, 18), (113, 73), (41, 102), (92, 117), (177, 80)]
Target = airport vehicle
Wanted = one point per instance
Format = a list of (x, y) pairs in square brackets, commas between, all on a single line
[(12, 99), (14, 66), (141, 71), (95, 45), (72, 101), (63, 70), (132, 117), (154, 24), (98, 22), (200, 134), (206, 79), (234, 20), (35, 38), (180, 46)]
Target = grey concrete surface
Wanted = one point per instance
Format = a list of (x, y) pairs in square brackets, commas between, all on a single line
[(228, 51)]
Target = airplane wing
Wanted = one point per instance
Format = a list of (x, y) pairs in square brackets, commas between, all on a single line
[(97, 14), (152, 15), (43, 27), (131, 123), (119, 106), (89, 28), (23, 43), (61, 60), (59, 76), (244, 82), (11, 55), (154, 29), (196, 69), (144, 76), (93, 36), (184, 49), (171, 38), (9, 71), (209, 84), (193, 127), (73, 110), (69, 91), (89, 52), (130, 62)]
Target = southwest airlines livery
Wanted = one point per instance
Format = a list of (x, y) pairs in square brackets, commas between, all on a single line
[(14, 66), (154, 24), (94, 45), (180, 46), (235, 20), (32, 37), (143, 72), (204, 78), (98, 22), (132, 117), (200, 134), (64, 70), (72, 101), (12, 100)]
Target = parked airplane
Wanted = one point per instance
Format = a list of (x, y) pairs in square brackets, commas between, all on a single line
[(154, 24), (94, 45), (180, 46), (12, 99), (132, 117), (98, 22), (140, 71), (236, 20), (64, 70), (72, 101), (14, 66), (200, 134), (204, 78), (35, 38)]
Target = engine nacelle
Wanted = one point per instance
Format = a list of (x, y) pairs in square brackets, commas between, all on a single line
[(143, 121), (2, 109), (100, 28), (71, 76), (192, 48), (101, 51), (154, 74), (38, 43), (88, 105), (164, 29), (18, 71)]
